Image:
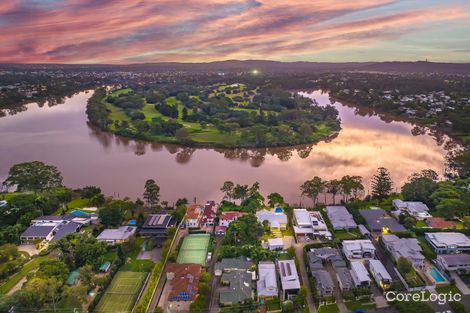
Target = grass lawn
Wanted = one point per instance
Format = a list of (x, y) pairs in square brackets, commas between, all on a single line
[(329, 308), (448, 289), (358, 304), (78, 203), (421, 224), (28, 267), (347, 235), (273, 305), (138, 266)]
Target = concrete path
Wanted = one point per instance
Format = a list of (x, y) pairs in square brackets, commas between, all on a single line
[(460, 284)]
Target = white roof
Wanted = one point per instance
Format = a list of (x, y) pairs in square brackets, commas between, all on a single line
[(272, 217), (359, 244), (302, 217), (443, 239), (379, 268), (340, 217), (267, 282), (288, 274), (120, 233), (275, 242), (360, 271)]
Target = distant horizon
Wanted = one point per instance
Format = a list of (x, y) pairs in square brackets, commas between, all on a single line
[(130, 32), (243, 60)]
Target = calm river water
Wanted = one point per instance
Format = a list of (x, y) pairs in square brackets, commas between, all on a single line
[(60, 135)]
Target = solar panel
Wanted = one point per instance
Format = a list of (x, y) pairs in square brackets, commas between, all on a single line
[(283, 270), (289, 271)]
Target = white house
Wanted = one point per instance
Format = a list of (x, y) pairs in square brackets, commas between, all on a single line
[(359, 274), (116, 236), (310, 223), (227, 217), (275, 244), (444, 243), (276, 219), (408, 248), (417, 209), (266, 285), (454, 262), (290, 284), (380, 274), (358, 249)]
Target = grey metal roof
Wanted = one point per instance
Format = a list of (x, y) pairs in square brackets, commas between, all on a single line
[(455, 259), (240, 287), (65, 229), (38, 231), (239, 263), (323, 281), (340, 218), (377, 219), (344, 276)]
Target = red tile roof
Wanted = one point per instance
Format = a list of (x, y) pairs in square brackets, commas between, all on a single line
[(193, 212), (231, 215), (185, 281), (439, 222)]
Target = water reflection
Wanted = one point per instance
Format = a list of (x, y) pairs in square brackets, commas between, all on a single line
[(60, 135)]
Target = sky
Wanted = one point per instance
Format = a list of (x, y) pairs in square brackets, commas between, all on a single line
[(126, 31)]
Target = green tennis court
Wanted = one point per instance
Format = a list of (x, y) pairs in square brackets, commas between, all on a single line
[(194, 249), (121, 293)]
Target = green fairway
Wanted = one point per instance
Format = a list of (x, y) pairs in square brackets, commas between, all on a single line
[(194, 249), (122, 292)]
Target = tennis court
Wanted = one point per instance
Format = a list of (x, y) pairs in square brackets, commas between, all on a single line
[(121, 293), (194, 249)]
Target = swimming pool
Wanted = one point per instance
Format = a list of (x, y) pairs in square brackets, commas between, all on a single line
[(78, 212), (436, 275)]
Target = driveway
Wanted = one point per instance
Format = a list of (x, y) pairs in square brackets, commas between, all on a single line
[(29, 249), (460, 284), (299, 252)]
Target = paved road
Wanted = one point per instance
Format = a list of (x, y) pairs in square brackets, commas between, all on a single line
[(299, 252), (460, 284), (214, 295)]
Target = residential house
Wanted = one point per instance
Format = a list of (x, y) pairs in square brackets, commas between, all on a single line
[(310, 223), (225, 219), (52, 228), (157, 226), (275, 244), (290, 284), (340, 218), (239, 290), (325, 255), (240, 264), (379, 221), (359, 274), (454, 262), (418, 210), (193, 215), (209, 214), (267, 286), (380, 274), (116, 236), (358, 249), (323, 282), (345, 281), (408, 248), (184, 285), (445, 243), (276, 219)]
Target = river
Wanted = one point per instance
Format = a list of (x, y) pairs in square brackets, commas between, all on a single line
[(60, 135)]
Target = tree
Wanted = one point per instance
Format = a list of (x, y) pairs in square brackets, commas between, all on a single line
[(275, 198), (333, 187), (312, 188), (151, 193), (240, 192), (381, 183), (33, 176), (420, 187), (227, 189), (86, 276), (111, 215), (404, 266)]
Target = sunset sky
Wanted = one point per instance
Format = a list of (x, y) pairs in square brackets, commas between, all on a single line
[(126, 31)]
